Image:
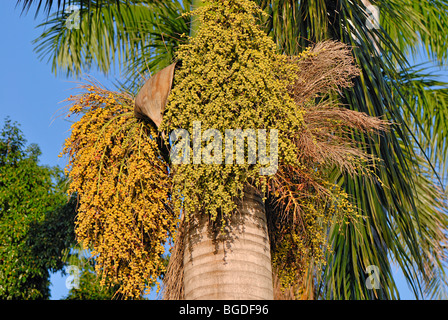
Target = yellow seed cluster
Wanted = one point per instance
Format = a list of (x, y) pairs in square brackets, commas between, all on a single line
[(123, 186), (303, 241), (232, 77)]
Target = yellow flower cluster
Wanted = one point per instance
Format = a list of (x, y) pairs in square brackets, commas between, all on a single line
[(231, 78), (123, 187), (301, 244)]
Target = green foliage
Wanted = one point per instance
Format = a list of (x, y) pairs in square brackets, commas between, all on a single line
[(35, 225), (51, 238)]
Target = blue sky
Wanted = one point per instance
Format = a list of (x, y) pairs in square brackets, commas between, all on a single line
[(32, 95)]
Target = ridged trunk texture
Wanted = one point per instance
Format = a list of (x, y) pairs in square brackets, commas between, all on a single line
[(235, 264)]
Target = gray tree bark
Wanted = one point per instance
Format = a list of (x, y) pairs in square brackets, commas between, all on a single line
[(235, 264)]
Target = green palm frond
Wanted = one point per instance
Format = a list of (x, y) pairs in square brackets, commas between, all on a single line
[(166, 30), (139, 38), (427, 96), (432, 221), (410, 22), (62, 5), (394, 210), (97, 38), (296, 24), (397, 216)]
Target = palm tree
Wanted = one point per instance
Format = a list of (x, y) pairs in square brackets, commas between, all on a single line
[(406, 214)]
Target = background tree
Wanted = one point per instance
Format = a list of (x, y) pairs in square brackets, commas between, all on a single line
[(36, 219), (124, 185), (402, 223)]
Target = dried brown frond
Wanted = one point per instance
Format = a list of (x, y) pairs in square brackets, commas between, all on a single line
[(328, 137), (329, 131), (328, 67)]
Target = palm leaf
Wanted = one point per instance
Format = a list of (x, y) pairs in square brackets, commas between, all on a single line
[(61, 5), (428, 97), (393, 227), (411, 22), (138, 38), (394, 210)]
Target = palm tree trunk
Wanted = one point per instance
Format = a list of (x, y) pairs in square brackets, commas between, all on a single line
[(235, 264)]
